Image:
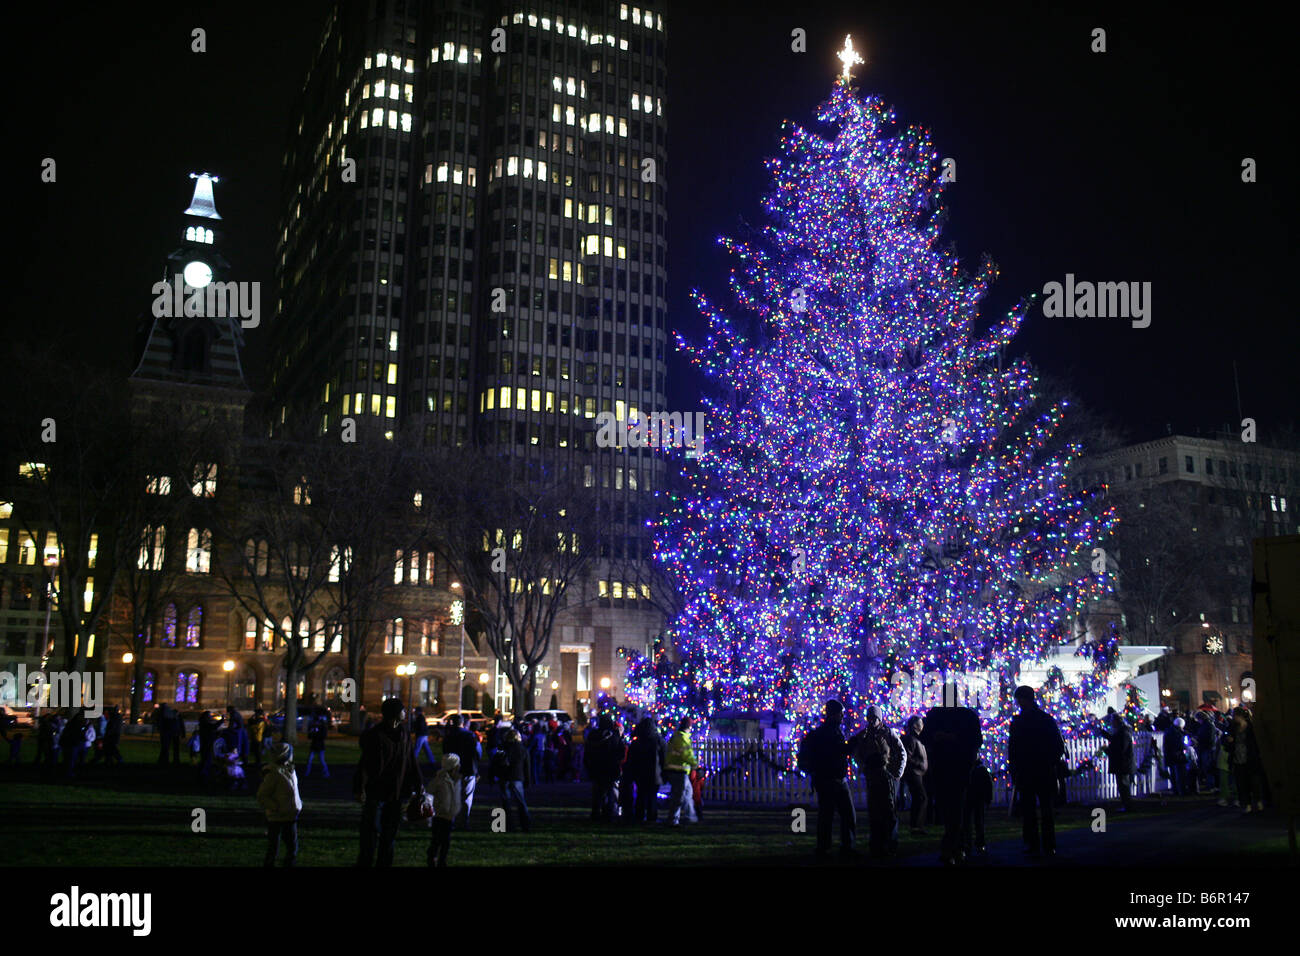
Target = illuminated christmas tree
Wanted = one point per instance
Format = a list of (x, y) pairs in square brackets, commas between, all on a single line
[(876, 498)]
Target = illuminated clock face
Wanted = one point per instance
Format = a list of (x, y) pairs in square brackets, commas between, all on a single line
[(197, 274)]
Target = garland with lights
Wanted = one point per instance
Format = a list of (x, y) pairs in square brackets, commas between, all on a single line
[(875, 497)]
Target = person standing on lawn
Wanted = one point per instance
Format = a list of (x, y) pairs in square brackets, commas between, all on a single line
[(446, 807), (464, 743), (645, 759), (317, 732), (256, 731), (918, 762), (1119, 756), (386, 775), (278, 796), (1034, 748), (678, 764), (824, 757), (516, 776)]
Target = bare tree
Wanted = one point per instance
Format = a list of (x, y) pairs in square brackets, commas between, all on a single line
[(365, 494), (67, 428), (522, 538), (276, 550)]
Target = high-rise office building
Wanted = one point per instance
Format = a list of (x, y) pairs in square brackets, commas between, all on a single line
[(472, 252)]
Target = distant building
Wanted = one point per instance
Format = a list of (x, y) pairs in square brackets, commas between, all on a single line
[(1221, 493)]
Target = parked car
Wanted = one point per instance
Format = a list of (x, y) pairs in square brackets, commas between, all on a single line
[(306, 714), (17, 717), (547, 715), (479, 722)]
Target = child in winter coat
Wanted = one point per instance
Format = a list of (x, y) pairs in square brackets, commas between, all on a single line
[(278, 796), (446, 805)]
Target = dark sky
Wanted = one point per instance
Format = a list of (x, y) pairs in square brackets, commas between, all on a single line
[(1122, 166)]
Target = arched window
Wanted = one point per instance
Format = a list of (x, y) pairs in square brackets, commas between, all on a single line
[(318, 636), (268, 635), (250, 634), (194, 627), (392, 687), (189, 234), (279, 688), (286, 630), (244, 689), (207, 236), (428, 691), (304, 632), (146, 695), (336, 643), (198, 555), (187, 687), (393, 640), (262, 551), (169, 626)]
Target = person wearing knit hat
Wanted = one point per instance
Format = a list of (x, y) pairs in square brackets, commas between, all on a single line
[(879, 751), (278, 796)]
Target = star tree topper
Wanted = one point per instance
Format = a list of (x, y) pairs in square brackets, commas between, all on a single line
[(849, 57)]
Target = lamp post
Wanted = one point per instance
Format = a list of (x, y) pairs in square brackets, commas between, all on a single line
[(127, 659), (458, 618), (51, 562), (229, 668)]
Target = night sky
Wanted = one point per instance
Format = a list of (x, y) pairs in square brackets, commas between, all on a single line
[(1122, 166)]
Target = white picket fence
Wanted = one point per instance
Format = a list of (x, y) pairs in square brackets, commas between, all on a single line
[(762, 772)]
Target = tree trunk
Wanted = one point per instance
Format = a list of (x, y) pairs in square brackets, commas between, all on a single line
[(359, 675), (137, 690), (289, 734)]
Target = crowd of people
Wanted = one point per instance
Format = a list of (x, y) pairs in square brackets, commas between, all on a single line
[(932, 769)]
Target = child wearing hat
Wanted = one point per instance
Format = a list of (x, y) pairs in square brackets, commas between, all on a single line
[(278, 796)]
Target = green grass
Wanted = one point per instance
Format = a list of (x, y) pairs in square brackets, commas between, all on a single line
[(142, 815)]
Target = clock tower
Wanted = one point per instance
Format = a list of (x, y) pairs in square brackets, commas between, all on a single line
[(199, 351)]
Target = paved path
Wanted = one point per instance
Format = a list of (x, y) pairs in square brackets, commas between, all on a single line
[(1197, 834)]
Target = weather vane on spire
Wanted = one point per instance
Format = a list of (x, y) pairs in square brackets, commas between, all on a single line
[(849, 57)]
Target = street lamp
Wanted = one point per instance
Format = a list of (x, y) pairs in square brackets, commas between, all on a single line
[(51, 562), (127, 659), (458, 617), (408, 669), (228, 667)]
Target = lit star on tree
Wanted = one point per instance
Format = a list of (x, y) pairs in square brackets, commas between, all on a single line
[(849, 57)]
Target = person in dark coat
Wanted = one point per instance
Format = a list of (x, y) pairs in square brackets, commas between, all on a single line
[(464, 743), (517, 775), (386, 775), (72, 742), (111, 752), (824, 757), (1034, 749), (918, 762), (236, 733), (952, 739), (878, 751), (1119, 756), (1174, 744), (45, 740), (208, 728), (165, 719), (979, 795), (603, 760), (645, 761)]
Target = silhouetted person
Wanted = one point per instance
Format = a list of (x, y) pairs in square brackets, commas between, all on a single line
[(878, 750), (824, 756), (386, 775), (165, 720), (517, 775), (464, 743), (952, 739), (645, 762), (604, 760), (1034, 748), (1119, 756), (979, 794), (918, 762)]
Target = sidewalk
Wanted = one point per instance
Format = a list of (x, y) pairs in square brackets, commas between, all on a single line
[(1197, 834)]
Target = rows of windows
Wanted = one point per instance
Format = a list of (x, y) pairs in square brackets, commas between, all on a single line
[(198, 234)]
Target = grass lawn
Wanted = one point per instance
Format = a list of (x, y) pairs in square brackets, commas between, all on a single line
[(141, 814)]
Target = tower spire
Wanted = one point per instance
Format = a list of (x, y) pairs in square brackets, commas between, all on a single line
[(203, 205)]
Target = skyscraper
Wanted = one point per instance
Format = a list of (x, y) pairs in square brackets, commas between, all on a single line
[(473, 249)]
